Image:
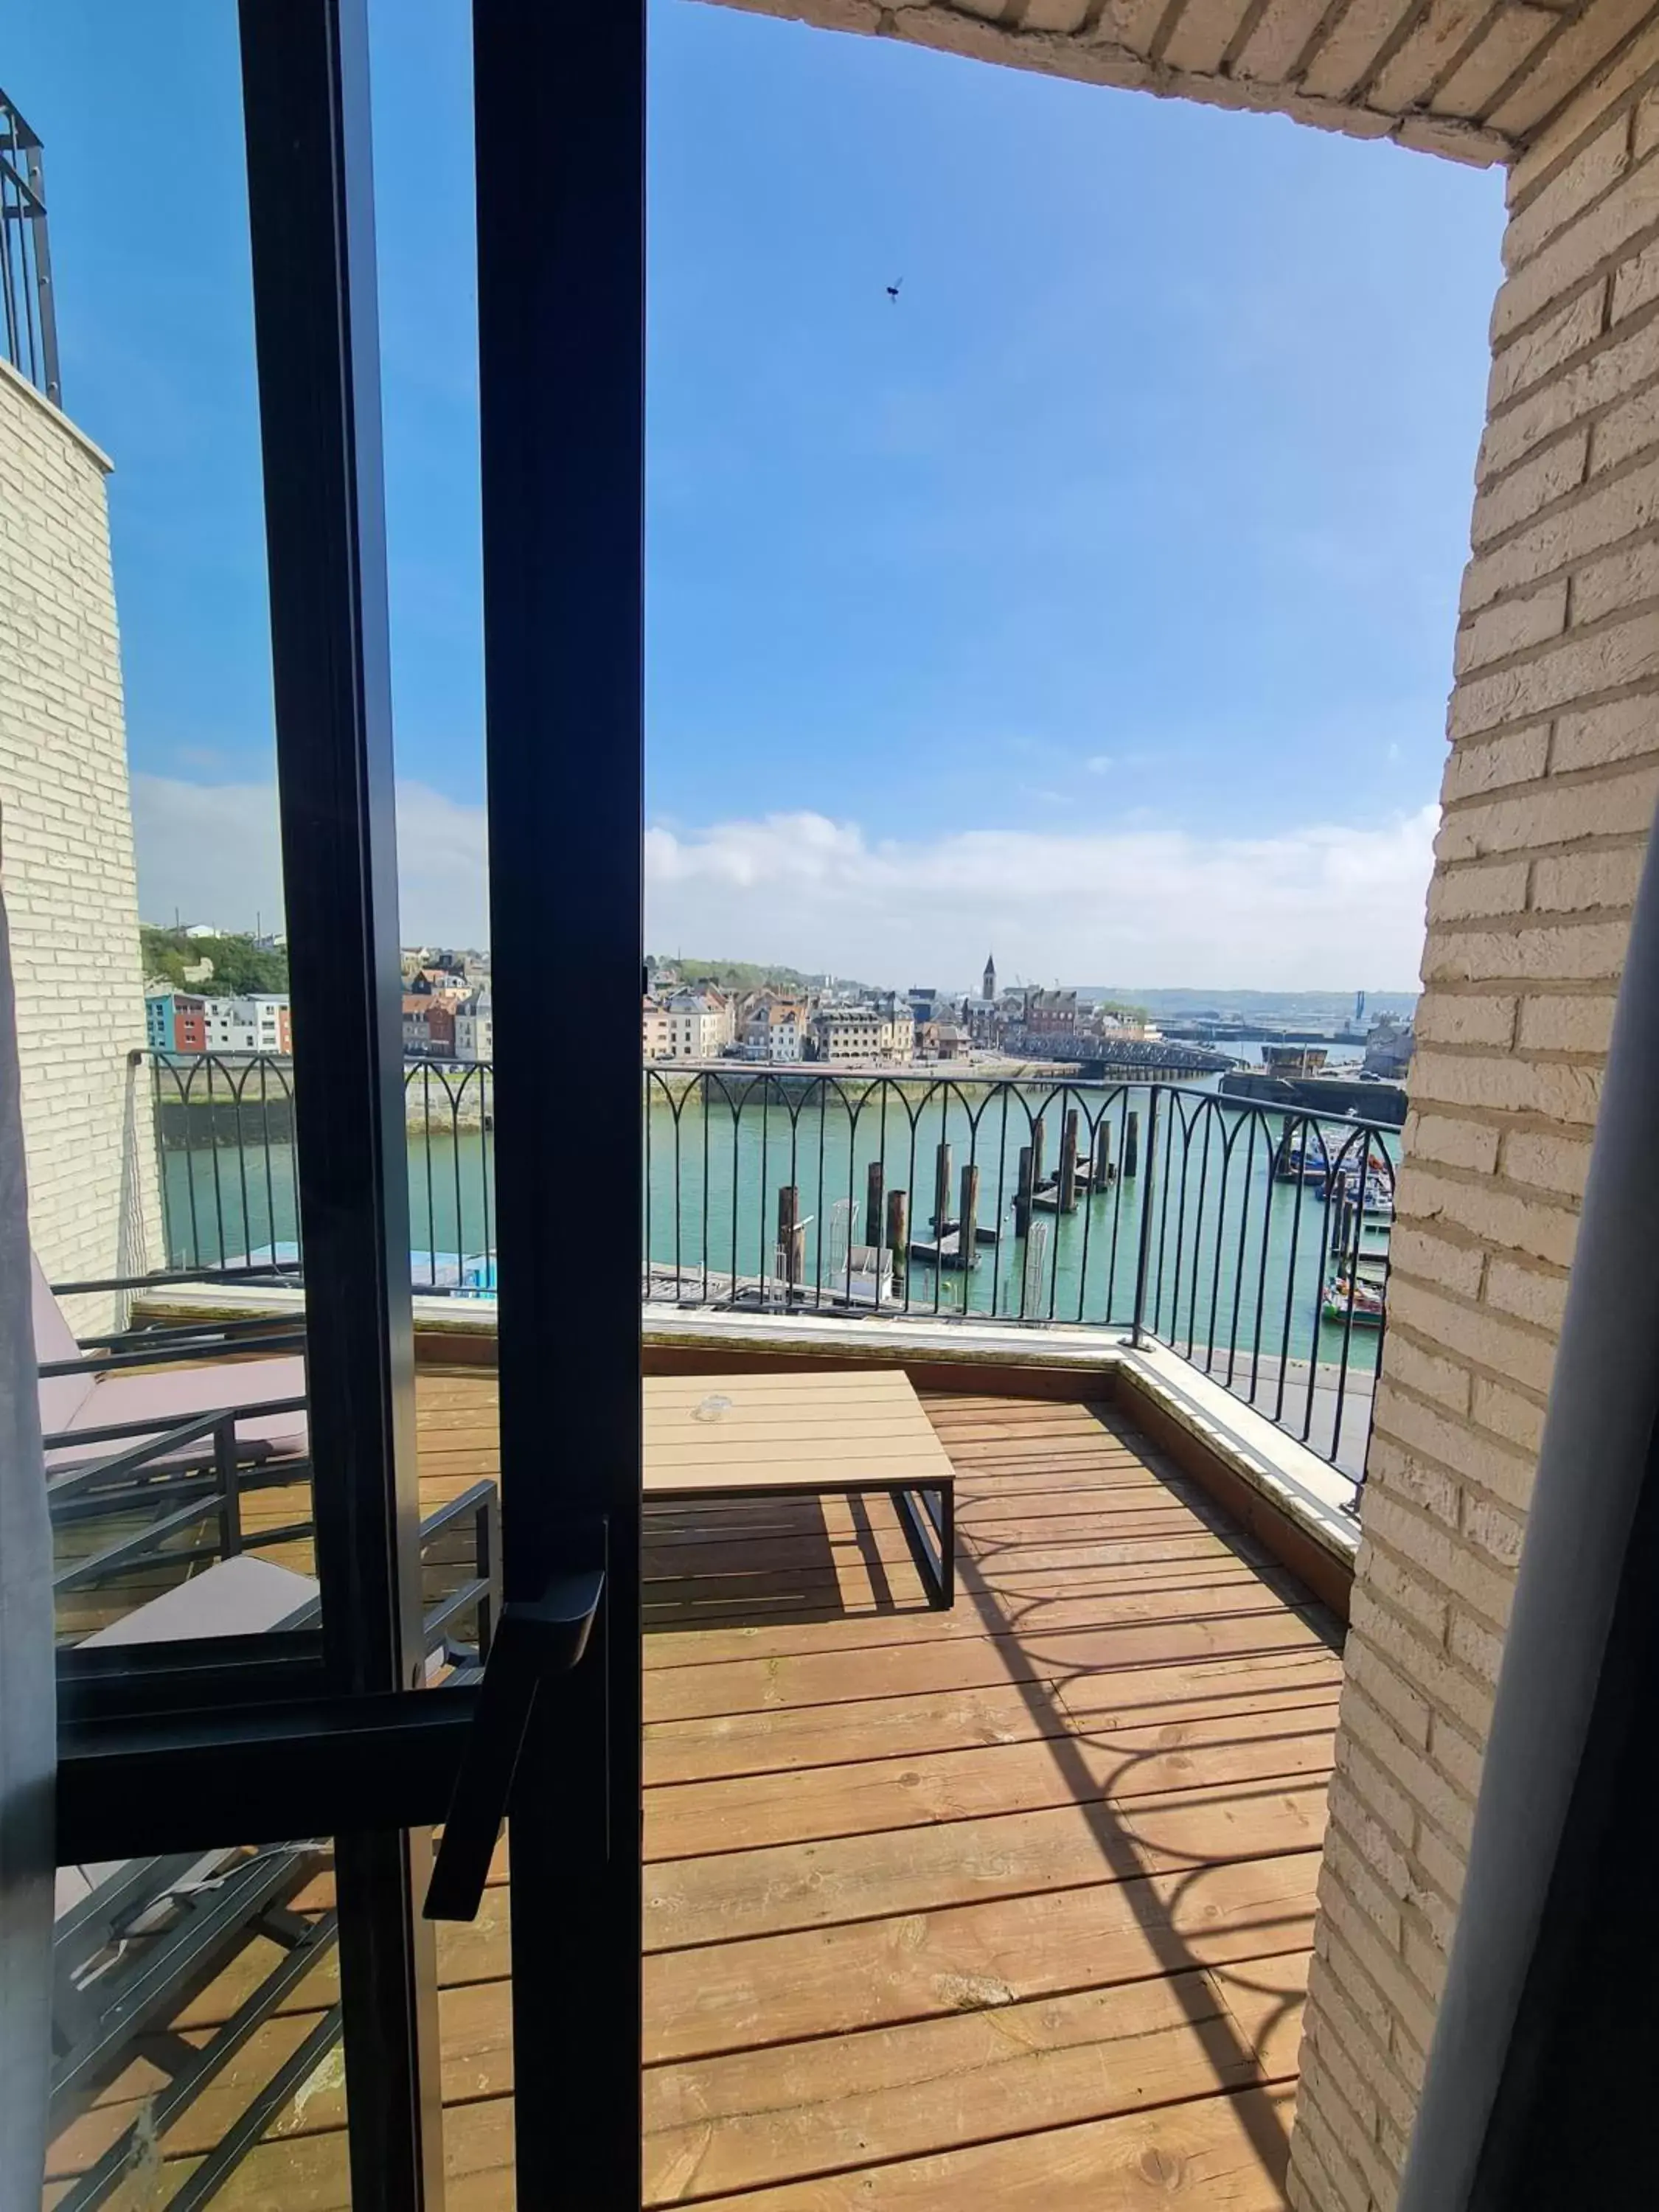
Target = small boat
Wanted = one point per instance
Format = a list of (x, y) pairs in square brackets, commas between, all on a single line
[(1353, 1299), (1375, 1195), (1304, 1163)]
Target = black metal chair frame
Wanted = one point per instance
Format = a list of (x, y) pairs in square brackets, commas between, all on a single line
[(133, 1953), (210, 1483), (121, 2011)]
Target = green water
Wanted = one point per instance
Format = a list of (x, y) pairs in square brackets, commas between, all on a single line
[(1235, 1258)]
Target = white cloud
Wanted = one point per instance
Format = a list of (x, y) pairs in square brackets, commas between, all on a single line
[(1324, 906), (210, 851), (1318, 908)]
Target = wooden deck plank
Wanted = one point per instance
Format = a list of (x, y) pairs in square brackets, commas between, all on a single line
[(904, 1727), (1007, 1906), (1224, 2154), (842, 2103), (730, 1996), (976, 1613), (830, 1981), (873, 1877), (1108, 1765), (929, 1879), (979, 1612), (967, 1662)]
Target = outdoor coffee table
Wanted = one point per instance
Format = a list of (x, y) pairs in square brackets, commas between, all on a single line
[(845, 1433)]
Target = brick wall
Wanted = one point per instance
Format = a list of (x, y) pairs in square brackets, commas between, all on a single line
[(1549, 788), (66, 855)]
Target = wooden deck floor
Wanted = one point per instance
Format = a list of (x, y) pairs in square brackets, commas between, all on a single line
[(1006, 1907)]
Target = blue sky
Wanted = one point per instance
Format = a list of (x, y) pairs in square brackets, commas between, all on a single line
[(1096, 597)]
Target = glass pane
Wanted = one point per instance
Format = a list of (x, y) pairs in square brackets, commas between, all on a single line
[(196, 2033), (142, 870)]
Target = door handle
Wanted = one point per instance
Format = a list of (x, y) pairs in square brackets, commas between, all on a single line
[(536, 1640)]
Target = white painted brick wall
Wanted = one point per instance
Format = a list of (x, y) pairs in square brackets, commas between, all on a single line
[(66, 858)]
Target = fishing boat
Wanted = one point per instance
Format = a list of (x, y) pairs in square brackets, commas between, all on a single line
[(1303, 1162)]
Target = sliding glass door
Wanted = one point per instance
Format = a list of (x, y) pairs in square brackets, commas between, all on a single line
[(256, 1932)]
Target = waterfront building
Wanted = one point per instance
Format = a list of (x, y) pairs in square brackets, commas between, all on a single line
[(441, 1026), (475, 1027), (846, 1035), (174, 1021), (654, 1029), (1388, 1046), (698, 1025), (260, 1021), (773, 1027)]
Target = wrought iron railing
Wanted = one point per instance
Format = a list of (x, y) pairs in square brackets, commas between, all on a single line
[(28, 324), (1251, 1240)]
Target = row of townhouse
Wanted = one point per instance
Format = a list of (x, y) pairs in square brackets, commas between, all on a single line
[(448, 1023), (766, 1026), (700, 1024), (186, 1021)]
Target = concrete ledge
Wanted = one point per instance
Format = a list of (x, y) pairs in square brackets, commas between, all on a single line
[(1292, 1499), (18, 382), (941, 1355)]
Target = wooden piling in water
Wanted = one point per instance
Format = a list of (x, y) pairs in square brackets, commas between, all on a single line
[(1102, 1174), (898, 1233), (874, 1217), (1036, 1153), (1023, 1194), (791, 1238), (967, 1218), (1132, 1144), (941, 1188), (1066, 1186)]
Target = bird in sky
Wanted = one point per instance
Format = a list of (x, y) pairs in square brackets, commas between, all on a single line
[(893, 291)]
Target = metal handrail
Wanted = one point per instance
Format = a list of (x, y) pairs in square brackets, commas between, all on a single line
[(28, 321), (1244, 1236)]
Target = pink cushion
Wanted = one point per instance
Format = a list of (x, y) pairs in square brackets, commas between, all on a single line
[(240, 1596), (61, 1397), (175, 1394)]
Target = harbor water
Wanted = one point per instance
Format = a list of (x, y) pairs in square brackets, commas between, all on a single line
[(1235, 1257)]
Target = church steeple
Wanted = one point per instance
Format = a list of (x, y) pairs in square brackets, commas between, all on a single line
[(990, 990)]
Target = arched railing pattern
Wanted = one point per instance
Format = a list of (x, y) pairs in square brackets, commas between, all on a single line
[(1250, 1239)]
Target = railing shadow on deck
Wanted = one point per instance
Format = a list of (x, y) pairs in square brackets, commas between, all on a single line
[(1155, 1881)]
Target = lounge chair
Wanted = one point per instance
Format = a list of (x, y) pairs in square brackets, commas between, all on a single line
[(136, 1940), (89, 1399), (162, 1431)]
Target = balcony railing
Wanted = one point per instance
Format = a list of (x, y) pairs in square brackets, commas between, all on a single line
[(28, 324), (1251, 1241)]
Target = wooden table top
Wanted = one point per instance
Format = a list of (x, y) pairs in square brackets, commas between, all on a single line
[(844, 1429)]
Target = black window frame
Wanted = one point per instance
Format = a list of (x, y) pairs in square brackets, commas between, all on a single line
[(327, 1732)]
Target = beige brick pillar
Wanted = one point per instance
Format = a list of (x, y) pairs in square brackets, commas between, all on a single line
[(1548, 792), (1546, 797)]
